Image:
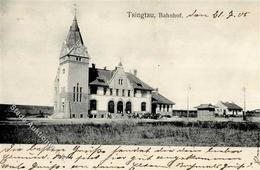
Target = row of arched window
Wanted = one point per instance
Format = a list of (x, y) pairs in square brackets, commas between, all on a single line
[(119, 106)]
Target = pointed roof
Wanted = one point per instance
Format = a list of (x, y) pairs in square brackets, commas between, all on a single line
[(120, 64), (74, 35), (74, 44)]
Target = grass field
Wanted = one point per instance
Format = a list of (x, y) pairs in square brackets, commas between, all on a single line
[(138, 133)]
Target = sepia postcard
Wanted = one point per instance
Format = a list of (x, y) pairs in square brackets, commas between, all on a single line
[(122, 84)]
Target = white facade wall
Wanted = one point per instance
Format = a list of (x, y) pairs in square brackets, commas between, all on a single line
[(223, 109), (102, 102)]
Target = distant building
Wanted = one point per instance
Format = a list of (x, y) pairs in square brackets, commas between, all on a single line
[(206, 112), (228, 109), (184, 113), (255, 113), (89, 92), (161, 105)]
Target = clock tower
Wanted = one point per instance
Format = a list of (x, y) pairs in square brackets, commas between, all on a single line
[(71, 83)]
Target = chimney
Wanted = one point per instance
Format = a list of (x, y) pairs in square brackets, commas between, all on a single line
[(93, 65), (135, 72), (105, 68), (156, 90)]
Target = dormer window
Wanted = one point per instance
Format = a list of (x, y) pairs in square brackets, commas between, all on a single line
[(139, 84), (101, 80)]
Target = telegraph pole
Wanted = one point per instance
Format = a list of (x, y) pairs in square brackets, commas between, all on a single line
[(244, 112), (188, 101)]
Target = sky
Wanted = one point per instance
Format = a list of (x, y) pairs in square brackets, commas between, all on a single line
[(216, 57)]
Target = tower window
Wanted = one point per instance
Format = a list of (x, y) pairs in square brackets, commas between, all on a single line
[(129, 92), (117, 92), (74, 94), (80, 94), (123, 92), (111, 91), (77, 98), (77, 93), (63, 71)]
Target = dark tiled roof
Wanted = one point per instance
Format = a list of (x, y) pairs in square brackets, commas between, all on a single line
[(74, 35), (101, 77), (232, 105), (74, 44), (137, 83), (205, 106), (159, 99)]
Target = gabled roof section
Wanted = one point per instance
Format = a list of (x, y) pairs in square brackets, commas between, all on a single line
[(137, 83), (157, 98), (99, 77), (232, 105)]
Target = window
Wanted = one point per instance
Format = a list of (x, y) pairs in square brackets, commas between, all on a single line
[(102, 116), (143, 93), (143, 106), (120, 81), (128, 107), (63, 103), (73, 115), (74, 94), (120, 107), (63, 71), (81, 115), (123, 92), (167, 108), (117, 92), (78, 59), (93, 105), (77, 94), (111, 92), (93, 90), (111, 107), (80, 94), (129, 93), (105, 90)]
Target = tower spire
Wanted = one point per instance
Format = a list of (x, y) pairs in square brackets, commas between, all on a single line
[(75, 11), (120, 63)]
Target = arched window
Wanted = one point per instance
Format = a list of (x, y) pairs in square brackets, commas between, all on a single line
[(93, 105), (111, 107), (120, 107), (143, 106), (128, 107)]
